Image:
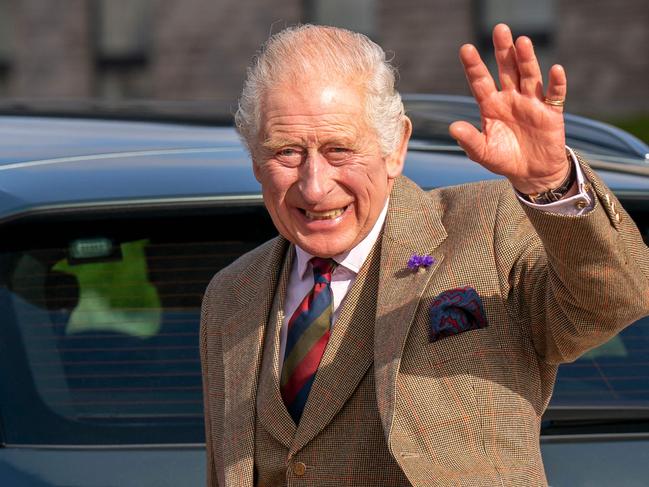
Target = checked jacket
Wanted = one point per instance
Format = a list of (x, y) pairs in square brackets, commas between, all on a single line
[(391, 407)]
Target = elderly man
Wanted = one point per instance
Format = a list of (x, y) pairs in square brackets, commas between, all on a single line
[(391, 336)]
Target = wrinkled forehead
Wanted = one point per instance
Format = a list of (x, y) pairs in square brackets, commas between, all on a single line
[(313, 103)]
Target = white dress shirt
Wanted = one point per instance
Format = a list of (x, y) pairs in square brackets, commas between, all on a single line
[(300, 280)]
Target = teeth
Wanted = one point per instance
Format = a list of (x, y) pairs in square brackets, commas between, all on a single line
[(324, 215)]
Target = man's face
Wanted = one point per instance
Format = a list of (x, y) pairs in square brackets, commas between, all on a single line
[(323, 177)]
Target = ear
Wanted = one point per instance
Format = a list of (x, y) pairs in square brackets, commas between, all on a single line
[(396, 160)]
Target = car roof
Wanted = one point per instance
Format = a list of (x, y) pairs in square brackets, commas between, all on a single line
[(53, 162), (432, 114)]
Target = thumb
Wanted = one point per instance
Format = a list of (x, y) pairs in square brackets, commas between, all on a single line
[(472, 141)]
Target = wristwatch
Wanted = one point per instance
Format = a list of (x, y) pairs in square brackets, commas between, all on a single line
[(555, 194)]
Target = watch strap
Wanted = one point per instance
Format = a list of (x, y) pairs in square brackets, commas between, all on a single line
[(555, 194)]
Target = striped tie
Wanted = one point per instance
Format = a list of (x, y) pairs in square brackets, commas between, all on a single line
[(307, 337)]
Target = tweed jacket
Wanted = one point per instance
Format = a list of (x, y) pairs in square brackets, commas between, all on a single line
[(465, 409)]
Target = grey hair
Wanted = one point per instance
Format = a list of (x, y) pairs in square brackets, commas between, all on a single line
[(307, 49)]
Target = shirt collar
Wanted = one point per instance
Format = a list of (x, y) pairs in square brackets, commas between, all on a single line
[(352, 259)]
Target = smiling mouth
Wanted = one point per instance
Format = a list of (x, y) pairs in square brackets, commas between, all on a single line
[(324, 215)]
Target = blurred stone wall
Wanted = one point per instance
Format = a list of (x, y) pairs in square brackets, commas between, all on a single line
[(199, 49), (424, 37), (51, 49), (604, 46)]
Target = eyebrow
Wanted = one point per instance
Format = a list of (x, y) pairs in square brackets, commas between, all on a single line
[(277, 143)]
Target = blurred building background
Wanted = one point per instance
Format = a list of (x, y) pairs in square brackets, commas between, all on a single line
[(199, 49)]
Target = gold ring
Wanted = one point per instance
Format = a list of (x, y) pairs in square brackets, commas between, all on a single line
[(554, 103)]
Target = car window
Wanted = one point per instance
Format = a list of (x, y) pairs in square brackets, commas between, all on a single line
[(100, 319), (105, 320), (615, 374)]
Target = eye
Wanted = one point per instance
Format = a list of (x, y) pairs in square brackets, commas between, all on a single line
[(338, 154), (291, 156)]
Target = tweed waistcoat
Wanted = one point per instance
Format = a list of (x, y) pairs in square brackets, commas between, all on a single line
[(342, 401)]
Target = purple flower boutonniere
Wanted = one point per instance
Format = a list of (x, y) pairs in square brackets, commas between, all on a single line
[(420, 262)]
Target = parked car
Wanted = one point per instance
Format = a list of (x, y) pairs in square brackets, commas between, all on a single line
[(111, 229)]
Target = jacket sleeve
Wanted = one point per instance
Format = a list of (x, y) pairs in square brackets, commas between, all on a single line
[(572, 282)]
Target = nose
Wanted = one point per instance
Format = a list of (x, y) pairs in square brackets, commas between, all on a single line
[(316, 178)]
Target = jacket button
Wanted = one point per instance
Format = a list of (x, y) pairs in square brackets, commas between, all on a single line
[(299, 469)]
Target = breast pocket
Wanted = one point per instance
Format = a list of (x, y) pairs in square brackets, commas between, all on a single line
[(470, 343)]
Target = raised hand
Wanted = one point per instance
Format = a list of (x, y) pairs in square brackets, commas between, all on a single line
[(522, 135)]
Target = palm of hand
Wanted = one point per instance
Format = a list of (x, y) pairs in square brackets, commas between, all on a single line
[(520, 129), (522, 137)]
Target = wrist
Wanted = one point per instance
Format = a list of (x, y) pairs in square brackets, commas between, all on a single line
[(556, 191)]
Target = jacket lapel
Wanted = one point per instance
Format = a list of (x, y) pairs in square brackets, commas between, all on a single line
[(242, 338), (271, 411), (347, 358), (413, 226)]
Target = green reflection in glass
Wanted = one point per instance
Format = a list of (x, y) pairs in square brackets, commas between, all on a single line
[(115, 296)]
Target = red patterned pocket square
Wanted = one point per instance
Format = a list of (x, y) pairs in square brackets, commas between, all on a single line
[(455, 311)]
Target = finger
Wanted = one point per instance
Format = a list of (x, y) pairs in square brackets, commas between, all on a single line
[(557, 85), (480, 81), (505, 53), (472, 141), (531, 80)]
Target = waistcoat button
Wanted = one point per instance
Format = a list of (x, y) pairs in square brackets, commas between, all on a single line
[(299, 469)]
